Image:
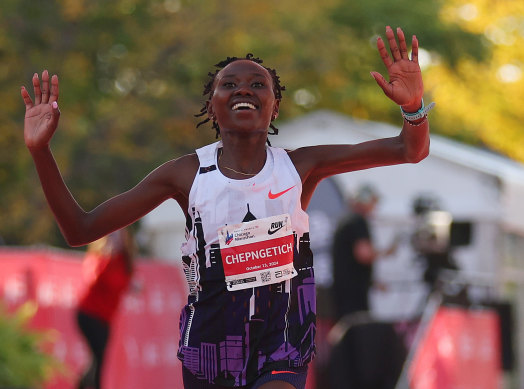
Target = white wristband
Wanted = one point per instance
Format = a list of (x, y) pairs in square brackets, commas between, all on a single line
[(422, 112)]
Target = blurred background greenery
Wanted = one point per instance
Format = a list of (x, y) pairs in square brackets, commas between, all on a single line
[(132, 74), (24, 362)]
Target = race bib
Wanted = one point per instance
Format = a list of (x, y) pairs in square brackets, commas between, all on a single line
[(256, 253)]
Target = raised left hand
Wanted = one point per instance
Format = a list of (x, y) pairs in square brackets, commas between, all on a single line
[(42, 115), (405, 85)]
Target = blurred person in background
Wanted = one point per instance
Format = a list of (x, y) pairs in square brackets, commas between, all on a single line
[(354, 254), (365, 353), (107, 269)]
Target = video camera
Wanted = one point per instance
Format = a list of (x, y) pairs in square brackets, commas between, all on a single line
[(435, 236), (435, 230)]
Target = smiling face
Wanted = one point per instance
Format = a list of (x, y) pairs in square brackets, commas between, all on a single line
[(243, 98)]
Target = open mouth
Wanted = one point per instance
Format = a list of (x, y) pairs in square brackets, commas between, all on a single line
[(243, 106)]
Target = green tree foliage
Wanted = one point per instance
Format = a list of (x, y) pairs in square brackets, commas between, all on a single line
[(23, 363), (480, 102), (132, 74)]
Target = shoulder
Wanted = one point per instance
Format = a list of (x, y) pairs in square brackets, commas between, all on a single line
[(185, 169), (300, 154), (302, 159), (186, 165), (307, 159), (362, 226), (346, 223), (187, 162), (177, 173), (351, 222)]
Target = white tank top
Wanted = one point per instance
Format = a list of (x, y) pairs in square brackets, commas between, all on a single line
[(273, 325), (221, 200)]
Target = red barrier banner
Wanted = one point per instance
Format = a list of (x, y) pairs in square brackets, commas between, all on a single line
[(461, 349), (144, 339), (142, 351)]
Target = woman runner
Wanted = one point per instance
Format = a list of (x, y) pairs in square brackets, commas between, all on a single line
[(250, 317)]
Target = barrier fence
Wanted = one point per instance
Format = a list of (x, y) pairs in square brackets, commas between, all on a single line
[(144, 341), (459, 347)]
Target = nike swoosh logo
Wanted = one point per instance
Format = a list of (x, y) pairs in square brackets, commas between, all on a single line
[(283, 372), (273, 196), (271, 232)]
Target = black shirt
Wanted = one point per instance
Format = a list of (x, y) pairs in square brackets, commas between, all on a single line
[(352, 279)]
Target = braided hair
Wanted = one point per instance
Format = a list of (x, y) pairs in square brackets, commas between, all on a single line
[(208, 89)]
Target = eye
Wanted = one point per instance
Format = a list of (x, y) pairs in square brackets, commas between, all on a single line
[(228, 84), (257, 84)]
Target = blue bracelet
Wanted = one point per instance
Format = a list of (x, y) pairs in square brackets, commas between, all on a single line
[(422, 112)]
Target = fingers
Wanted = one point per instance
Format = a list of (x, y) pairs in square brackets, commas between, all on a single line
[(54, 89), (56, 111), (414, 49), (381, 81), (402, 44), (390, 35), (384, 53), (45, 87), (45, 91), (399, 51), (27, 99), (36, 88)]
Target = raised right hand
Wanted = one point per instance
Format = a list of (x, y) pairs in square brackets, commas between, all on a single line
[(405, 86), (41, 116)]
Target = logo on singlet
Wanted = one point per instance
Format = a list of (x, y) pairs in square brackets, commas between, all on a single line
[(273, 196), (275, 227)]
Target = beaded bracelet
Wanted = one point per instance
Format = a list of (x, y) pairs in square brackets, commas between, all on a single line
[(422, 112), (413, 124)]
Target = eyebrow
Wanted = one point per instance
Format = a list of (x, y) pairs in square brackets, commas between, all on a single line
[(253, 74)]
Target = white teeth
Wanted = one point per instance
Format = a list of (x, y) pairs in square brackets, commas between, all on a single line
[(243, 105)]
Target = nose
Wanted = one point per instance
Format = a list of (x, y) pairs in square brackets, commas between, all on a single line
[(243, 89)]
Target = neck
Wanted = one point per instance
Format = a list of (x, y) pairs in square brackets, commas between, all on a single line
[(241, 161)]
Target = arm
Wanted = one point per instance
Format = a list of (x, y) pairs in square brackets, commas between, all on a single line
[(363, 249), (406, 89), (366, 253), (171, 180)]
